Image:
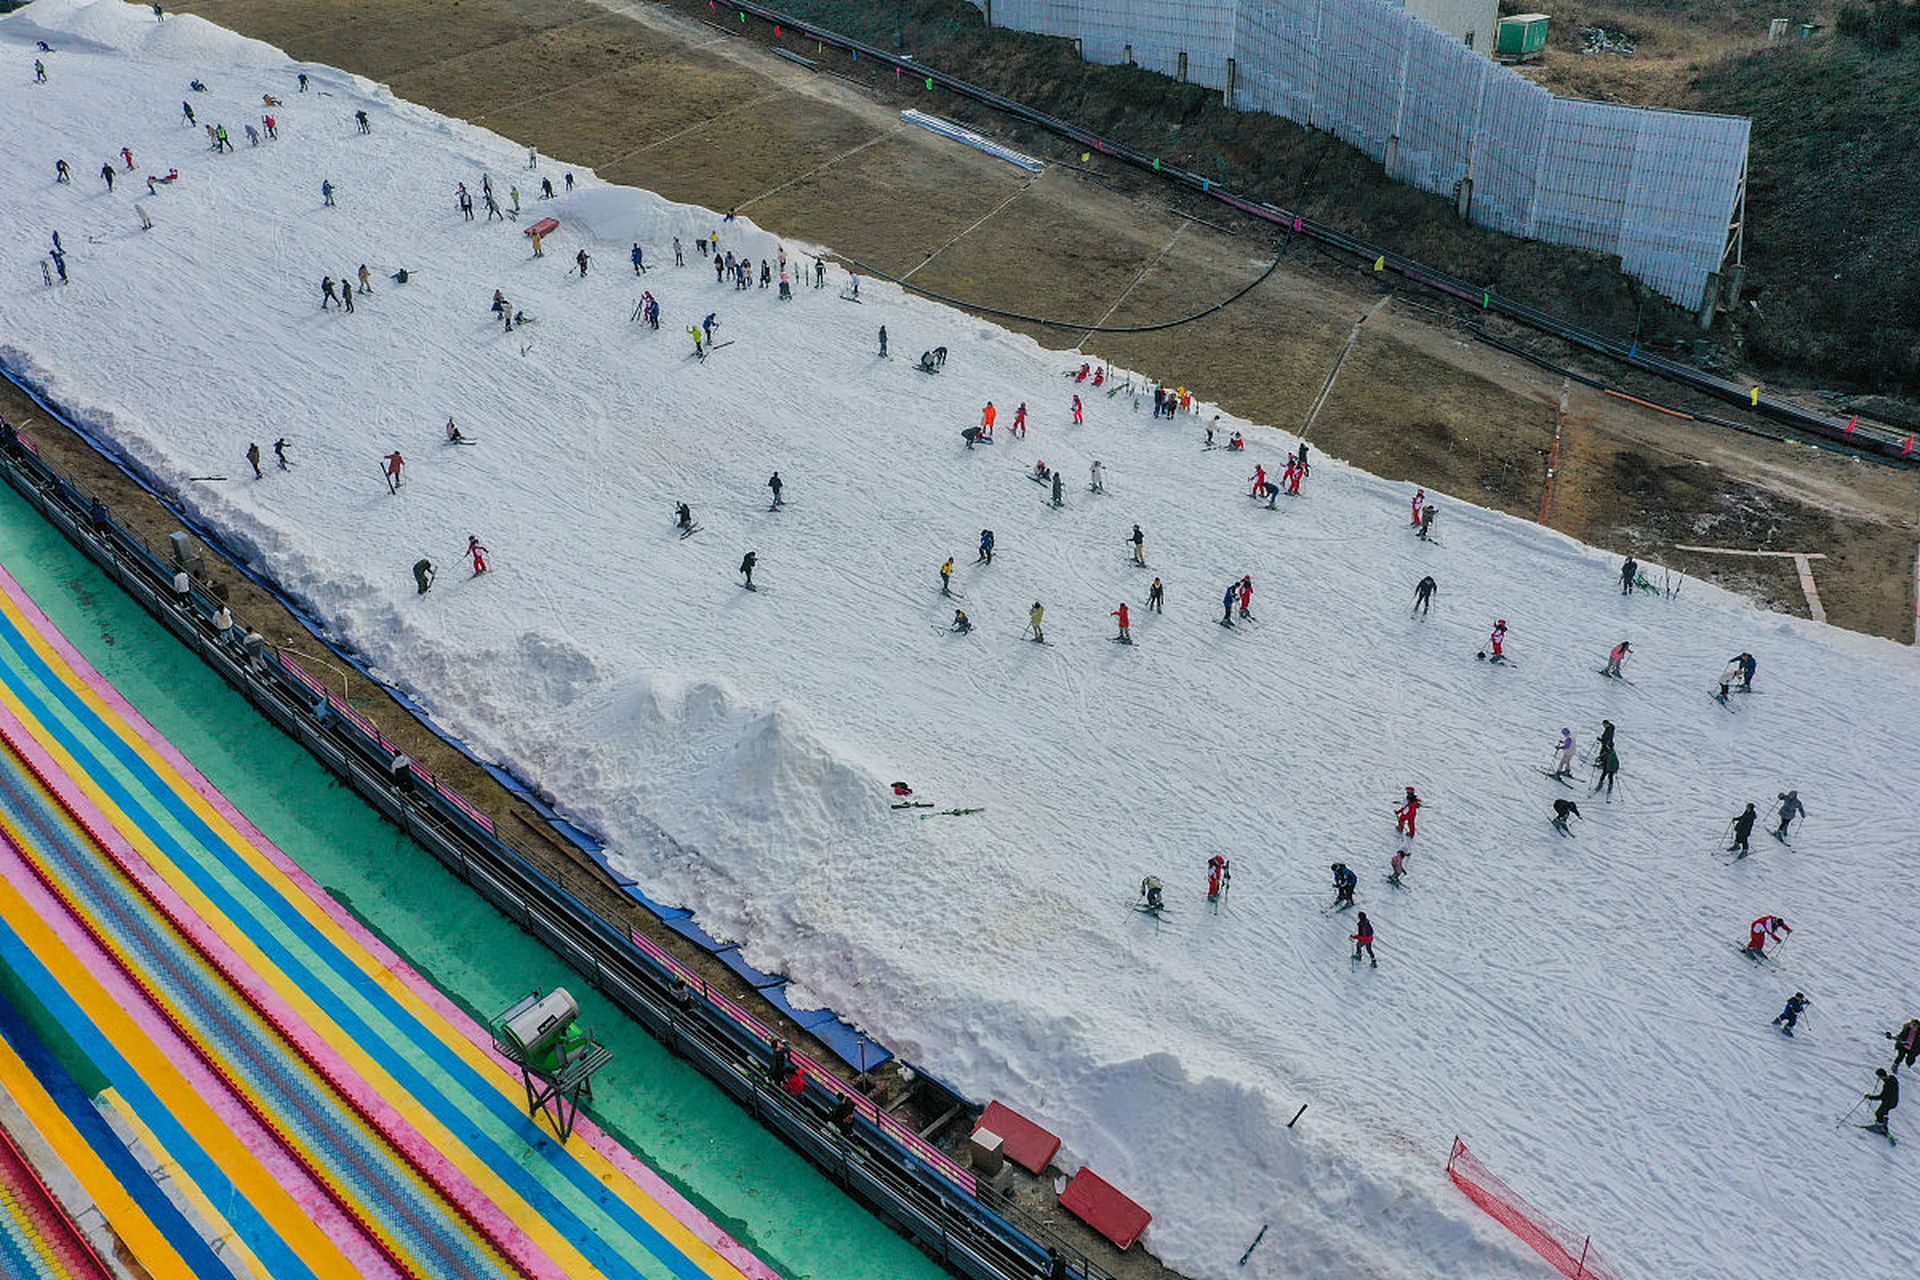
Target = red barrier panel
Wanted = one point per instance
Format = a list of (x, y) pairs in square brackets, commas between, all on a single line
[(1572, 1257)]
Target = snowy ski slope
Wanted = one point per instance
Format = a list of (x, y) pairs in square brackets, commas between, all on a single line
[(1573, 1007)]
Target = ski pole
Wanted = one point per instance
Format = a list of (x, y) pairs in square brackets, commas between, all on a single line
[(1850, 1110)]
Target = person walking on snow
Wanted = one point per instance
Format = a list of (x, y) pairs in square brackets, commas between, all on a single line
[(1419, 501), (986, 548), (883, 342), (422, 576), (1156, 597), (1246, 598), (1126, 633), (106, 173), (280, 454), (1888, 1098), (1399, 866), (1427, 513), (1020, 421), (62, 172), (1362, 939), (1035, 616), (1617, 655), (394, 462), (946, 577), (328, 297), (360, 117), (1423, 594), (1789, 1017), (253, 458), (126, 155), (1058, 501), (1790, 808), (326, 193), (1344, 883), (1139, 541), (1766, 927), (1097, 483), (1629, 574), (773, 483), (39, 71), (477, 553), (1906, 1044), (1079, 411), (639, 259), (1562, 810), (747, 562), (582, 258), (186, 109), (1563, 762), (346, 296), (366, 279), (1218, 876), (1407, 815)]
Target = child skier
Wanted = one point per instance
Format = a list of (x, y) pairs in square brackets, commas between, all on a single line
[(1562, 810), (1563, 762), (1399, 865), (1217, 877), (1126, 634), (1344, 882), (1497, 642), (1362, 939), (478, 554), (1419, 501), (1790, 1016), (1034, 617), (1407, 813), (1617, 655)]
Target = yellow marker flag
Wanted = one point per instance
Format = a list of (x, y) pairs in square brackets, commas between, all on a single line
[(1380, 263), (1085, 156), (1755, 396)]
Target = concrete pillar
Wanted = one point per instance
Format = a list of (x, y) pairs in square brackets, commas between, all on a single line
[(1182, 77), (1736, 277), (1463, 200), (1709, 301), (1393, 151), (1233, 82)]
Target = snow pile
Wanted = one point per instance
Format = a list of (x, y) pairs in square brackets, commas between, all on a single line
[(1574, 1007)]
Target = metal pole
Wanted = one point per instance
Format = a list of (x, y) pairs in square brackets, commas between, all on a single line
[(1583, 1258)]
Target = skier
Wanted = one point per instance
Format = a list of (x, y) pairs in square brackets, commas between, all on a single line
[(1427, 513), (1246, 598), (1126, 634), (1236, 444), (988, 416), (360, 117), (1742, 828), (346, 296), (1399, 865), (1419, 501), (1218, 877), (883, 342), (961, 623), (639, 259), (1906, 1044), (582, 258), (1139, 541), (679, 254), (280, 454), (326, 193), (186, 109), (1888, 1098), (1344, 882), (394, 462), (1788, 1017), (1213, 424), (683, 518), (1406, 815), (1790, 808), (1497, 642), (1153, 896), (708, 325), (1563, 762), (478, 554), (126, 154), (546, 188), (1629, 574), (773, 483), (1259, 479), (62, 172), (423, 576), (1058, 501), (1562, 810), (366, 279), (747, 562), (699, 349), (986, 548), (303, 82), (106, 172), (1156, 597), (1606, 735), (1609, 762), (1079, 412), (253, 458), (1739, 667), (1423, 594), (946, 577), (1764, 928), (1362, 939), (39, 71), (1034, 617), (1226, 603), (1290, 476), (1728, 674), (1616, 656), (1098, 484), (453, 434), (1020, 420)]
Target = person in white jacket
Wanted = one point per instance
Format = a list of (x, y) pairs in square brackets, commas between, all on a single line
[(1733, 671), (1563, 764)]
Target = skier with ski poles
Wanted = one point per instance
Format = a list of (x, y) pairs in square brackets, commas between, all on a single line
[(1139, 541), (1563, 762), (747, 562), (1790, 808), (1344, 883), (1156, 597), (946, 577), (1226, 603), (1362, 939), (1616, 656), (1399, 864), (1246, 598), (1609, 762), (1888, 1098), (1562, 810), (1906, 1044), (280, 454), (1743, 828), (1789, 1017), (478, 554), (1423, 594), (1762, 930), (1126, 633), (1034, 617)]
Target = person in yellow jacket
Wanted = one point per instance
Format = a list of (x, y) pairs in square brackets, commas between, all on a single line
[(946, 577), (1034, 617)]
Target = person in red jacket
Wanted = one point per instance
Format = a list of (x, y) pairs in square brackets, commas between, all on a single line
[(1764, 928), (1079, 412), (1406, 814), (1498, 640), (1217, 876), (1362, 938), (1020, 420), (478, 552), (1296, 471), (1126, 635), (1246, 598), (1259, 479), (1419, 501), (394, 463)]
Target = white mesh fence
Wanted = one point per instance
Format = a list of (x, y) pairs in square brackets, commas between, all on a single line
[(1655, 188)]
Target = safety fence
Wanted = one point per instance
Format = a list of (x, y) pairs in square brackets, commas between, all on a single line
[(1656, 189), (1571, 1256), (878, 1159)]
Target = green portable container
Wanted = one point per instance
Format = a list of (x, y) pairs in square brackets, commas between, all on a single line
[(1521, 36)]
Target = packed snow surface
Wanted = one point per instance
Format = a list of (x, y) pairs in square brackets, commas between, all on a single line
[(1575, 1007)]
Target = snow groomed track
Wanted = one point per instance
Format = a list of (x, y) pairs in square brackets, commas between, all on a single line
[(346, 1118)]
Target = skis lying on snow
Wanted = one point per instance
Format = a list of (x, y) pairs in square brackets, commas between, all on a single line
[(1564, 779), (912, 804), (1255, 1245), (953, 813)]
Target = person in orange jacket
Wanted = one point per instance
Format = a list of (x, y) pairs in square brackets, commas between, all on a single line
[(988, 416)]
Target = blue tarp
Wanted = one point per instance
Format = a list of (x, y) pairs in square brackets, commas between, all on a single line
[(756, 979)]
